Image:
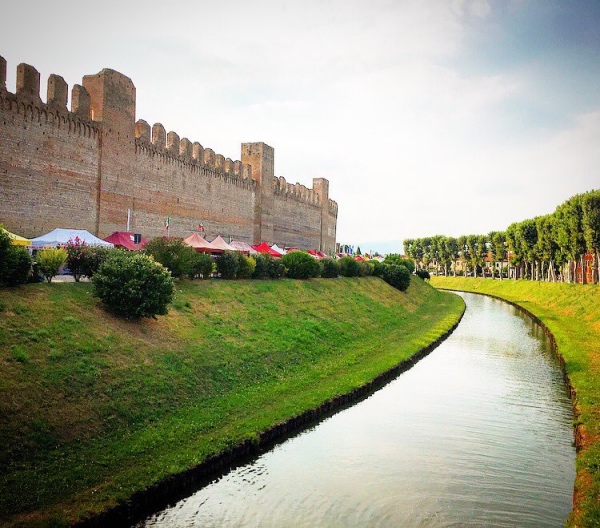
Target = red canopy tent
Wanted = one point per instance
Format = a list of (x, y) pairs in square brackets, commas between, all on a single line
[(125, 239), (200, 244), (221, 244), (265, 248)]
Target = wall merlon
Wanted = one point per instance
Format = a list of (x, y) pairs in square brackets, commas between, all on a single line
[(159, 136), (173, 143), (58, 93), (28, 83), (2, 74), (246, 171), (142, 130), (80, 101), (219, 160), (185, 149), (198, 153), (237, 168), (209, 157)]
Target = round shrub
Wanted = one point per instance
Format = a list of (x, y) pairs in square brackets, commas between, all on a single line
[(423, 274), (267, 267), (228, 265), (247, 266), (276, 269), (15, 266), (348, 267), (377, 268), (397, 276), (300, 265), (330, 268), (202, 266), (173, 254), (133, 285), (50, 261), (261, 270)]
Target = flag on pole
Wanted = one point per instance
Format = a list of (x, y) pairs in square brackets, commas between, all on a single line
[(167, 223)]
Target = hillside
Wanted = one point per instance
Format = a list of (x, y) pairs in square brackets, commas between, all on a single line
[(572, 314), (94, 409)]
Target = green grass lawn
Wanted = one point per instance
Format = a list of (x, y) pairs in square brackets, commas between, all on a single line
[(94, 408), (572, 313)]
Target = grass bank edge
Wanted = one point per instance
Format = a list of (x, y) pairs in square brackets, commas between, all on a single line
[(571, 313), (118, 485)]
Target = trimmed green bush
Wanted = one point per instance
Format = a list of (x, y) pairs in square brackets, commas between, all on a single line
[(173, 254), (300, 265), (397, 276), (228, 264), (133, 285), (330, 268), (15, 266), (349, 267), (247, 266), (50, 261), (15, 262), (423, 274), (267, 267), (202, 266), (377, 268)]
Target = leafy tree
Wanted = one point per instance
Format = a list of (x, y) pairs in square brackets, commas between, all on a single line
[(300, 265), (590, 205), (133, 285), (395, 258), (50, 261), (173, 254)]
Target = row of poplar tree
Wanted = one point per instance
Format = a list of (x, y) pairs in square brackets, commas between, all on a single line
[(562, 246)]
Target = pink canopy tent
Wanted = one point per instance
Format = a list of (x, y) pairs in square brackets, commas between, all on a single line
[(265, 248), (238, 245), (125, 239), (221, 244), (200, 244)]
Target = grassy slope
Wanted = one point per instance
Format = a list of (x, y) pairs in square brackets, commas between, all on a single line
[(93, 408), (572, 314)]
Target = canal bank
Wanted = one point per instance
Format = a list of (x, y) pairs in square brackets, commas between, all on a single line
[(571, 315), (98, 409)]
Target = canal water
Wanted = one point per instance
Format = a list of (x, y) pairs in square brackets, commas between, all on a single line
[(478, 433)]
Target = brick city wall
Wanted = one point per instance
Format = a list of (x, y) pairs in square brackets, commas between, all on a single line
[(85, 168)]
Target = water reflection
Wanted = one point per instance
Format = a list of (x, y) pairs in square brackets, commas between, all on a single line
[(476, 434)]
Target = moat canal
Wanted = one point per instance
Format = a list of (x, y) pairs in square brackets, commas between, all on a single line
[(478, 433)]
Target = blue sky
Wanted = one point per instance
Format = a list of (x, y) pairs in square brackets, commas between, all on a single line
[(428, 117)]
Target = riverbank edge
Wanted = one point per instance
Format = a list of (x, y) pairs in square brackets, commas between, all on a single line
[(160, 495), (579, 433)]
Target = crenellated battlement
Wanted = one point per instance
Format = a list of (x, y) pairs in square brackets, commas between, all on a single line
[(27, 104), (95, 166), (168, 147)]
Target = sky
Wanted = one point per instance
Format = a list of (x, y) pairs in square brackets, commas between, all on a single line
[(426, 116)]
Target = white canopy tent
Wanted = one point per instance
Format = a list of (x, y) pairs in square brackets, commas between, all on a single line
[(61, 237)]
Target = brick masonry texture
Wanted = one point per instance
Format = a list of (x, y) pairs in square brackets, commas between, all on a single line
[(85, 168)]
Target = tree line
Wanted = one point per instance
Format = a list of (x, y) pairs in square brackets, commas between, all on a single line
[(562, 246)]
